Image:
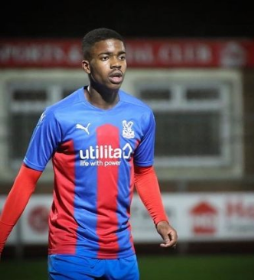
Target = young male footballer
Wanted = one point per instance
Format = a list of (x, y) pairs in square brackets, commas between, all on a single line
[(101, 143)]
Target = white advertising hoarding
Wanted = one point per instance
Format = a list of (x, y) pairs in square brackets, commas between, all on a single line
[(13, 237), (195, 216), (201, 217)]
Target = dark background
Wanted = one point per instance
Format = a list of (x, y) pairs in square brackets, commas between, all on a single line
[(157, 19)]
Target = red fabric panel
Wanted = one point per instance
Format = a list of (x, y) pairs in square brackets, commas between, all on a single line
[(107, 191), (62, 225)]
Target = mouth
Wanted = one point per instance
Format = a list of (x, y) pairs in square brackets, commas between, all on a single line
[(116, 77)]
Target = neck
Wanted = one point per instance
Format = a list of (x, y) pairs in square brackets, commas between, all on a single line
[(103, 100)]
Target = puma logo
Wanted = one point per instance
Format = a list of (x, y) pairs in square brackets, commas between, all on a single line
[(79, 126)]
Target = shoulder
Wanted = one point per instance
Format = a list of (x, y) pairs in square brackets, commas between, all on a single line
[(67, 102)]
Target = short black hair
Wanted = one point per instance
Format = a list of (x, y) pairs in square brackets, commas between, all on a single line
[(97, 35)]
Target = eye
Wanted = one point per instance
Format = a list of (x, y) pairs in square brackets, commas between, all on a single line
[(122, 57), (104, 57)]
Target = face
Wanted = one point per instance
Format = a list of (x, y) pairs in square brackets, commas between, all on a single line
[(107, 64)]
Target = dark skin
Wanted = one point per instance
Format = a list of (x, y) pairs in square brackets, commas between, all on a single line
[(106, 67)]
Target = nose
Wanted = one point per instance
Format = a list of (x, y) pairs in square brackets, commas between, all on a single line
[(116, 62)]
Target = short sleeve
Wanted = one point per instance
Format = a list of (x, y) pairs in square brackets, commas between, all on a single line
[(44, 141), (144, 154)]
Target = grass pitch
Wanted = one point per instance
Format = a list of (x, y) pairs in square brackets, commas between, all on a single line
[(205, 267)]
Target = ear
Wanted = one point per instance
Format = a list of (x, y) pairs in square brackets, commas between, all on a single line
[(86, 66)]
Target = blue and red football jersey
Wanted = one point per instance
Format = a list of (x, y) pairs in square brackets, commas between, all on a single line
[(93, 152)]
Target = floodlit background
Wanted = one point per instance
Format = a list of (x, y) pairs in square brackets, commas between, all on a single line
[(194, 65)]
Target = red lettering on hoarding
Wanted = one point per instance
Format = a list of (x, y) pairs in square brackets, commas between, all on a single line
[(239, 209), (204, 219), (38, 219), (140, 53)]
